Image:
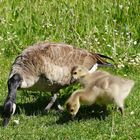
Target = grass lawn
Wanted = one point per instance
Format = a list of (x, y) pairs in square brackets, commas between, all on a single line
[(108, 27)]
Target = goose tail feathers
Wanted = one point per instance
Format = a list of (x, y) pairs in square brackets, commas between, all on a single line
[(102, 62)]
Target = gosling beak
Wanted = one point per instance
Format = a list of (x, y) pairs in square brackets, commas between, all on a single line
[(72, 80), (72, 117)]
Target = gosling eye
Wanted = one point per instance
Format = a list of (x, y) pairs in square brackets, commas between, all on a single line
[(75, 73), (71, 110)]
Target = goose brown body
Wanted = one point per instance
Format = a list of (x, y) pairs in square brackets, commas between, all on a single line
[(47, 66)]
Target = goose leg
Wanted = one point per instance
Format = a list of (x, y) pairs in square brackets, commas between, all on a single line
[(51, 103), (54, 101), (9, 105)]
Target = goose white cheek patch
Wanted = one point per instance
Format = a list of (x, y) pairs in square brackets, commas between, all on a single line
[(14, 108), (94, 68)]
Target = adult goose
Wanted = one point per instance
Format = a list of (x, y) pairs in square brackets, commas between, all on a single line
[(46, 67)]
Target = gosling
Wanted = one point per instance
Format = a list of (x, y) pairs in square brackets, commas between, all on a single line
[(99, 87)]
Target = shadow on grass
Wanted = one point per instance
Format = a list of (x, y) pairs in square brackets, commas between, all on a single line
[(86, 113), (1, 110), (37, 105)]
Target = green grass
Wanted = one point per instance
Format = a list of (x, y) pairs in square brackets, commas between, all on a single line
[(108, 27)]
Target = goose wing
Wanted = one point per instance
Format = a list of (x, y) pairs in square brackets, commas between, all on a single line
[(61, 58), (67, 55)]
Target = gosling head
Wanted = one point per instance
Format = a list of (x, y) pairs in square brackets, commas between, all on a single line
[(72, 106), (78, 72)]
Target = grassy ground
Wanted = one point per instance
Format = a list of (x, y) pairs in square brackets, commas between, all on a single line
[(108, 27)]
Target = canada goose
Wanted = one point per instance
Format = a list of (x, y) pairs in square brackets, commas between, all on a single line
[(46, 67), (100, 87)]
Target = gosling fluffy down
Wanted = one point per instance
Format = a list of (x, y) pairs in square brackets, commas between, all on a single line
[(99, 87)]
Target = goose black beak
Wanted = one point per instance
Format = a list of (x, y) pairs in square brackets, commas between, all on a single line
[(6, 121)]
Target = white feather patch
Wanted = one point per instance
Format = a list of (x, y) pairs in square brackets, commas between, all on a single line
[(14, 108), (93, 69)]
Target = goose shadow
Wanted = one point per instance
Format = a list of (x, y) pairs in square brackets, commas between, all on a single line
[(32, 108), (37, 104), (85, 113), (1, 110)]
